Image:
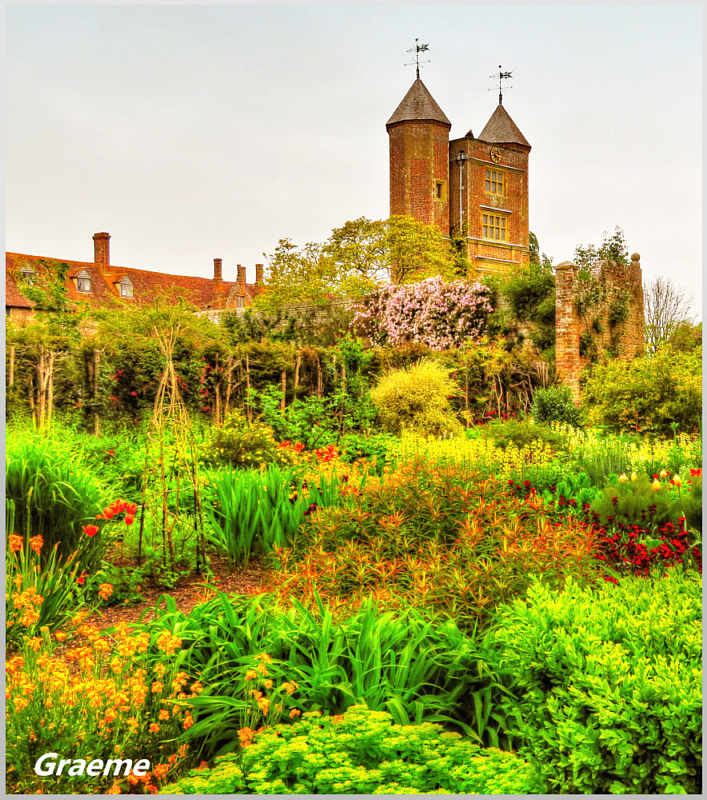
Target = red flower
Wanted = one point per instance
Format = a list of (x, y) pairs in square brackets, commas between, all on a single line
[(129, 520), (90, 530), (111, 452), (133, 393), (82, 578), (609, 579)]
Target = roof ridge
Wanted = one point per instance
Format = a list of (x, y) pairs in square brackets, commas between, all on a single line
[(501, 129)]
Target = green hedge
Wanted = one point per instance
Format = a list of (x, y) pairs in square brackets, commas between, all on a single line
[(361, 752), (610, 683)]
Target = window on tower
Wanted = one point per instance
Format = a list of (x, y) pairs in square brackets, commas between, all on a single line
[(494, 183), (494, 227), (438, 190)]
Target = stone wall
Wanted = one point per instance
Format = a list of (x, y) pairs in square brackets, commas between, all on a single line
[(609, 322)]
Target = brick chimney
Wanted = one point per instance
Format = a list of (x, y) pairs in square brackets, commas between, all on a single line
[(258, 274), (217, 269), (101, 249), (241, 279)]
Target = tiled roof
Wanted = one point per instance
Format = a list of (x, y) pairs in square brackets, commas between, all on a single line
[(13, 296), (418, 104), (502, 130), (105, 290)]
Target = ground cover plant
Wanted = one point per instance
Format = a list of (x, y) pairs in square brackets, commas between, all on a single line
[(272, 557)]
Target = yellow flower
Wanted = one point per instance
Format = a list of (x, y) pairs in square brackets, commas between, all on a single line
[(656, 485), (623, 477)]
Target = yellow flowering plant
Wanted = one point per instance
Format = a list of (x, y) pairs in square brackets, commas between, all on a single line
[(81, 691)]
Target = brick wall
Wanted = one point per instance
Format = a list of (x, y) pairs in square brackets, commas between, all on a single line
[(624, 339)]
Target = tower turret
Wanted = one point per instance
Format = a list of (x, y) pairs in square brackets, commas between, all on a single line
[(418, 134)]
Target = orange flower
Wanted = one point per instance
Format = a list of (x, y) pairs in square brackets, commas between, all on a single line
[(36, 543), (295, 713), (154, 728), (164, 714), (188, 721), (105, 590), (89, 530), (15, 543)]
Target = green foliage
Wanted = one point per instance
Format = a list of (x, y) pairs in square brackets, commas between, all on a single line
[(375, 447), (610, 685), (613, 248), (255, 512), (525, 293), (53, 497), (362, 752), (648, 503), (518, 432), (242, 444), (404, 663), (647, 394), (417, 399), (555, 404)]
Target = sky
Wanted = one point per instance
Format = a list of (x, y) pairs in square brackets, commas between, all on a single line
[(191, 132)]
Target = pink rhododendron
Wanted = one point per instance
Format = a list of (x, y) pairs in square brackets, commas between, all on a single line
[(434, 313)]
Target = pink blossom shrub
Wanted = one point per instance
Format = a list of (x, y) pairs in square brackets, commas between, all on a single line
[(432, 312)]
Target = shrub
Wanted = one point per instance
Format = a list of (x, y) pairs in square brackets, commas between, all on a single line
[(417, 399), (439, 538), (520, 433), (649, 394), (555, 404), (362, 752), (609, 681), (243, 444), (53, 497)]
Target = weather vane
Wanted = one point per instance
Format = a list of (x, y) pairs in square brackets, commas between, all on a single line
[(502, 76), (417, 49)]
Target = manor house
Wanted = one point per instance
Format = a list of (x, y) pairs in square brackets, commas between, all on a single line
[(99, 283)]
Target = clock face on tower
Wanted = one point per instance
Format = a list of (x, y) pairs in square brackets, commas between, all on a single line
[(495, 155)]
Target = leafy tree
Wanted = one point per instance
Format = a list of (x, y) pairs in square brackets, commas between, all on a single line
[(416, 251), (612, 248), (665, 307)]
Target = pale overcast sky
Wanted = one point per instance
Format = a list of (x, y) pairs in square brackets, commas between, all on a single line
[(190, 132)]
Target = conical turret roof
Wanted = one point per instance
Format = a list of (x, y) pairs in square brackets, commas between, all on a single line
[(418, 104), (501, 129)]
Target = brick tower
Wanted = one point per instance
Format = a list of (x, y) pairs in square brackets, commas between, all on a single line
[(489, 194), (475, 188), (418, 134)]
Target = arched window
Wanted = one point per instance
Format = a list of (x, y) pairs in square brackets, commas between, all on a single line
[(83, 282), (126, 287)]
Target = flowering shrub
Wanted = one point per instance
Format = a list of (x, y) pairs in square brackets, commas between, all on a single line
[(95, 695), (610, 683), (242, 444), (417, 399), (362, 752), (434, 313)]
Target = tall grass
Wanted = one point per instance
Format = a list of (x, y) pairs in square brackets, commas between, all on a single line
[(254, 512), (52, 495)]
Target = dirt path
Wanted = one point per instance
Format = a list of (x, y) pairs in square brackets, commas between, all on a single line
[(189, 592)]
